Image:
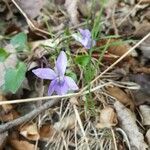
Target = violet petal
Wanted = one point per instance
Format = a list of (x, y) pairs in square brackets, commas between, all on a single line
[(61, 63), (61, 89), (85, 33), (86, 43), (86, 39), (51, 87), (71, 83), (44, 73)]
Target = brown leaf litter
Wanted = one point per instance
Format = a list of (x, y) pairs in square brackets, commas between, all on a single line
[(66, 123), (47, 131), (145, 112), (72, 9), (3, 140), (127, 122), (31, 7), (121, 96), (142, 95), (8, 111), (107, 118), (21, 145), (30, 131), (72, 14)]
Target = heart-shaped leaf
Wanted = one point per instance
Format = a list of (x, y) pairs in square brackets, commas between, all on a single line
[(19, 41), (14, 77), (3, 55), (82, 60)]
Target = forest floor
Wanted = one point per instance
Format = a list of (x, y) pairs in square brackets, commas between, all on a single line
[(74, 74)]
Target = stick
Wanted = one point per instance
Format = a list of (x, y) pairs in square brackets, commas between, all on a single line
[(28, 116), (55, 96)]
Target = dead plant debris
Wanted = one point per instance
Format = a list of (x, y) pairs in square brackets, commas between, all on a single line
[(74, 74)]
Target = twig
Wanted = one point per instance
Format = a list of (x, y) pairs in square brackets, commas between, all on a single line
[(28, 116), (54, 96)]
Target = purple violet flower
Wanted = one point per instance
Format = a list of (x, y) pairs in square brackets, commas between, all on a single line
[(60, 83), (85, 39)]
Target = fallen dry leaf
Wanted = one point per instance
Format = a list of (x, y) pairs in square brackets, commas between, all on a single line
[(107, 118), (74, 101), (128, 124), (144, 70), (66, 123), (142, 95), (31, 7), (142, 30), (84, 7), (148, 136), (30, 131), (72, 9), (7, 107), (145, 111), (21, 145), (145, 48), (117, 47), (126, 24), (143, 80), (46, 132), (8, 113), (9, 116), (120, 95), (3, 139)]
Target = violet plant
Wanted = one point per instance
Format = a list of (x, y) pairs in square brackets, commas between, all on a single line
[(85, 38), (60, 83)]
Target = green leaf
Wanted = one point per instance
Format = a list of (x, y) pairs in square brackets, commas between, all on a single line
[(89, 72), (3, 54), (19, 41), (97, 26), (14, 77), (82, 60)]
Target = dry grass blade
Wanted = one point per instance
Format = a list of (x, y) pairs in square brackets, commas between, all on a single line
[(54, 96), (81, 126)]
